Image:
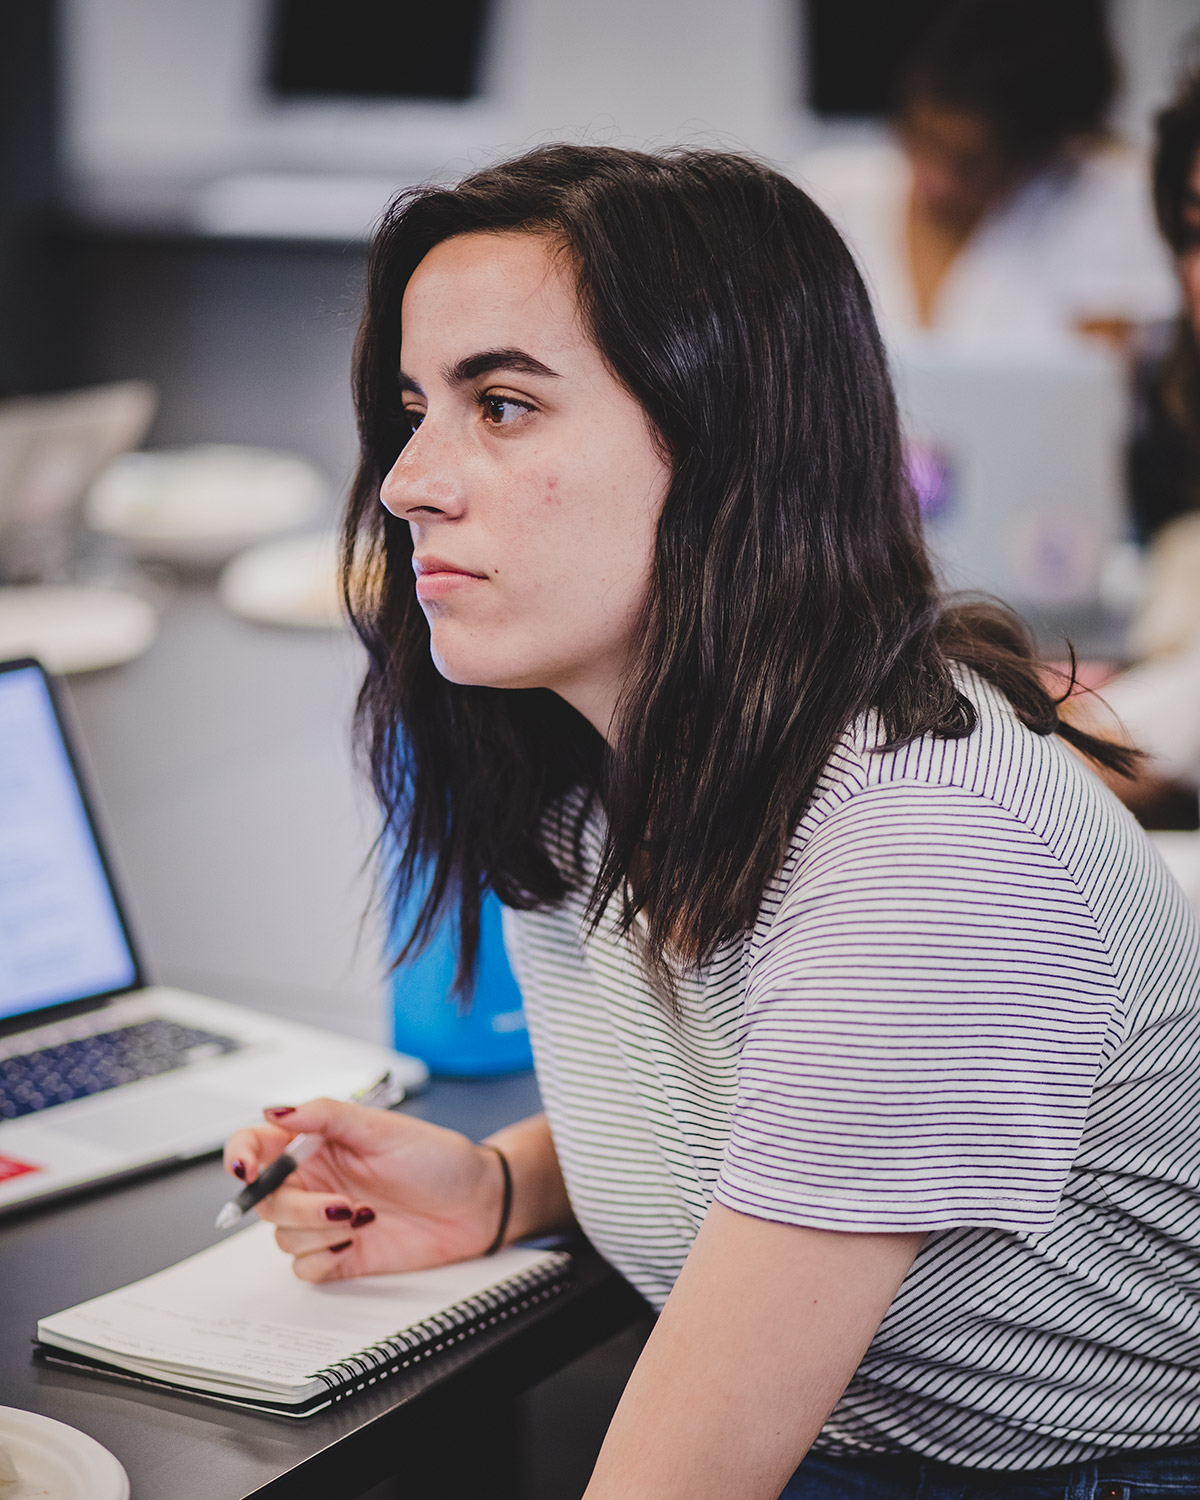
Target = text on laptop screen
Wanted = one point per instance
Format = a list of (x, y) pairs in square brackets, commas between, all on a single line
[(60, 934)]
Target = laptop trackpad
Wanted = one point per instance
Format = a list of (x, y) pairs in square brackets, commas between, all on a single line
[(156, 1128)]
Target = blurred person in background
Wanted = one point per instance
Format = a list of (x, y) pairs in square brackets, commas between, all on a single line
[(1003, 210), (1165, 467), (1158, 703)]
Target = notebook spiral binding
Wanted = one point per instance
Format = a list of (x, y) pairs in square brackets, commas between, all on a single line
[(422, 1340)]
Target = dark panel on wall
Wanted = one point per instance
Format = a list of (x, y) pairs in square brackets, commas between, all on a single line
[(857, 49), (248, 341), (390, 49), (28, 93)]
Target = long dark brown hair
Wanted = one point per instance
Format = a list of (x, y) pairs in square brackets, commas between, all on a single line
[(790, 587)]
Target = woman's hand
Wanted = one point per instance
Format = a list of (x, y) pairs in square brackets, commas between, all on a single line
[(385, 1192)]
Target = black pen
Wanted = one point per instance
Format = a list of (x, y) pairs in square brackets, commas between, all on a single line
[(383, 1094)]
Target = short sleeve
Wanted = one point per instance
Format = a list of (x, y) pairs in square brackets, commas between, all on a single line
[(927, 1009)]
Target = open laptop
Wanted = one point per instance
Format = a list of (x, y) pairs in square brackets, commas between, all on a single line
[(1017, 457), (101, 1074)]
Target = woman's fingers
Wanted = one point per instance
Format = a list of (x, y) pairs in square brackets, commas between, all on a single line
[(307, 1241), (335, 1263), (308, 1224), (294, 1208), (326, 1254), (357, 1126), (248, 1151)]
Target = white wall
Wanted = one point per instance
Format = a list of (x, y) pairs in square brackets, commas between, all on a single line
[(156, 86), (1152, 37), (166, 90)]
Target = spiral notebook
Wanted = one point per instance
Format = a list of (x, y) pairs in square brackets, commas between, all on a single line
[(234, 1325)]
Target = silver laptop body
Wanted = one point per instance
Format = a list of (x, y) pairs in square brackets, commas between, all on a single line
[(1017, 458), (101, 1074)]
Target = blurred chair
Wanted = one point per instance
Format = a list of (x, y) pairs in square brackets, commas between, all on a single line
[(51, 449)]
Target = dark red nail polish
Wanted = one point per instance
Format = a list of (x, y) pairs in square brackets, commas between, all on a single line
[(363, 1216), (280, 1109), (345, 1245), (338, 1213), (239, 1170)]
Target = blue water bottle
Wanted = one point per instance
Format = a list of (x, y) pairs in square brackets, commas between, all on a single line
[(432, 1023)]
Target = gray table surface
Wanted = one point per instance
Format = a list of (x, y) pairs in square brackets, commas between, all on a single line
[(176, 1447), (221, 765)]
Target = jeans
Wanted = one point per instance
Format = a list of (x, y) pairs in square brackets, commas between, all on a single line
[(1130, 1476)]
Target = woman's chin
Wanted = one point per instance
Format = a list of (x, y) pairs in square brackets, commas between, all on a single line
[(469, 671)]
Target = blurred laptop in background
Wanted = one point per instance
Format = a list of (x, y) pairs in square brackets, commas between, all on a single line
[(1018, 460)]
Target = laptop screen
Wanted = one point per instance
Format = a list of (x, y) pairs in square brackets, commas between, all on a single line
[(61, 935)]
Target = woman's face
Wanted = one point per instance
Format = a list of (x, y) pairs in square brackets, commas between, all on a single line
[(958, 168), (1188, 260), (532, 483)]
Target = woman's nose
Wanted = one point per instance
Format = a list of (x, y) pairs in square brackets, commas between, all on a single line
[(423, 481)]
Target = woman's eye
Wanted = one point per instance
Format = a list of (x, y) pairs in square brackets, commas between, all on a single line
[(412, 419), (502, 411)]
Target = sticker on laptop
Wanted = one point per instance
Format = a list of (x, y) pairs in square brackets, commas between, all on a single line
[(10, 1167), (931, 475)]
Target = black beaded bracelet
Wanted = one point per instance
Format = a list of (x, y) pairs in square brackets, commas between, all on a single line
[(506, 1206)]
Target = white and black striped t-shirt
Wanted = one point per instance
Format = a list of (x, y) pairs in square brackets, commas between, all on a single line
[(970, 1005)]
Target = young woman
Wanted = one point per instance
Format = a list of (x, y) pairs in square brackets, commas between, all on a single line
[(864, 1017), (1002, 211)]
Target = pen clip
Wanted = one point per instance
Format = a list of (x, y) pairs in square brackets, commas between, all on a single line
[(382, 1094)]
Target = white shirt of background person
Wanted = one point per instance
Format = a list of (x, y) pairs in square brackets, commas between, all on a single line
[(1076, 242)]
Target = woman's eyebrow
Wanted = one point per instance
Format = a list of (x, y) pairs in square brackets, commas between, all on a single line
[(485, 363), (489, 360)]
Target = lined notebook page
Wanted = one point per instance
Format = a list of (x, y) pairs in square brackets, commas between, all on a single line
[(237, 1312)]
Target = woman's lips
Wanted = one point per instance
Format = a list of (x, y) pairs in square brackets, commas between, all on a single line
[(436, 579)]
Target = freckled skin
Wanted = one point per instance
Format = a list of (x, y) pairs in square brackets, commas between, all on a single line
[(549, 486)]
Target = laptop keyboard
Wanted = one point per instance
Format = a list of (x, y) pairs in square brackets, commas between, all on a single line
[(91, 1064)]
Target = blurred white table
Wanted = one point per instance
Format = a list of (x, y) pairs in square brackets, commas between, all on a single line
[(221, 764)]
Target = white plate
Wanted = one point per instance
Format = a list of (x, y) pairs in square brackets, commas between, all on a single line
[(289, 582), (74, 629), (198, 506), (57, 1462)]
